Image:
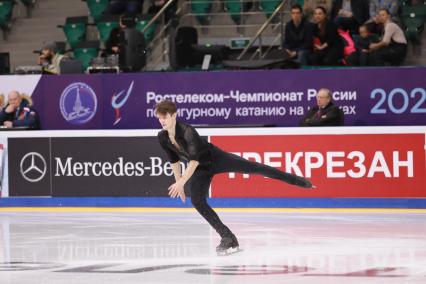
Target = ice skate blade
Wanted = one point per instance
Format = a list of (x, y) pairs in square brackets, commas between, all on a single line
[(229, 251)]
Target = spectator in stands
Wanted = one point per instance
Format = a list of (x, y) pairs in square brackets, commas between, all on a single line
[(50, 59), (18, 112), (119, 7), (392, 48), (349, 14), (363, 45), (325, 113), (373, 23), (327, 44), (309, 6), (298, 35), (116, 38)]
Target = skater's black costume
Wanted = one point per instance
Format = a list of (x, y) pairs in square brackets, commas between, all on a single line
[(213, 160)]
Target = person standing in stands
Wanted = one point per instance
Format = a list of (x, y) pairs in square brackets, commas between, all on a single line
[(298, 36), (392, 48), (19, 112), (327, 44), (50, 59), (325, 113), (180, 141)]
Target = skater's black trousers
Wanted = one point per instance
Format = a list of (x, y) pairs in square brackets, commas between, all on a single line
[(223, 162)]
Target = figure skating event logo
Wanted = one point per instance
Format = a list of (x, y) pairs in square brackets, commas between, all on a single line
[(78, 103)]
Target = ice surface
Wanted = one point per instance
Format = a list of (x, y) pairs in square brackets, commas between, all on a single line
[(179, 247)]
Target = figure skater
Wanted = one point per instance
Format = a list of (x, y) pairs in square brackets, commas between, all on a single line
[(181, 141)]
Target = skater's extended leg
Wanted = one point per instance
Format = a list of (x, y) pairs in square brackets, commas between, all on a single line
[(227, 162)]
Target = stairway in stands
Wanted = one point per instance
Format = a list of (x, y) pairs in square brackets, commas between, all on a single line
[(28, 34)]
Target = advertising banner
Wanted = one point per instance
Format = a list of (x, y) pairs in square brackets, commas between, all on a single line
[(29, 167), (88, 166), (358, 165), (373, 96), (375, 162)]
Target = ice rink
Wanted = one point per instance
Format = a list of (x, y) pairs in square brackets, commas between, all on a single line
[(179, 247)]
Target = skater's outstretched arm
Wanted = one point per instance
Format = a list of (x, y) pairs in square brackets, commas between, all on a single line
[(177, 189), (177, 170)]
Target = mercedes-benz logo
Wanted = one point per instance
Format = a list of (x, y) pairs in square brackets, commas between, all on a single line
[(33, 167)]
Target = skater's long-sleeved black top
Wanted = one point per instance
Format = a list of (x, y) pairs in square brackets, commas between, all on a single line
[(190, 145)]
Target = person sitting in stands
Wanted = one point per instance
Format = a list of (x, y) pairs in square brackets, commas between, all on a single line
[(50, 59), (19, 112), (392, 48), (298, 35), (374, 24), (327, 44), (363, 45), (116, 38), (325, 113)]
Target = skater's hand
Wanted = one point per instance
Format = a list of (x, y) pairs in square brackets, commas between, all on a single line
[(176, 190)]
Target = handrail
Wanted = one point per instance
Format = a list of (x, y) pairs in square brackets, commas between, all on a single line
[(156, 16), (261, 30)]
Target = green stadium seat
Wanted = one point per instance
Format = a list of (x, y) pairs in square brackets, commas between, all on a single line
[(235, 7), (75, 30), (105, 25), (413, 20), (6, 8), (97, 8), (142, 21), (86, 51), (269, 6), (201, 9)]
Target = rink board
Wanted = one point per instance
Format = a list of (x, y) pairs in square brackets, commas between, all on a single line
[(352, 167)]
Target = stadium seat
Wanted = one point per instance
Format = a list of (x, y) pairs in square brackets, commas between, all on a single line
[(413, 19), (201, 9), (234, 9), (6, 8), (86, 51), (75, 30), (105, 25), (269, 6), (97, 8), (142, 21)]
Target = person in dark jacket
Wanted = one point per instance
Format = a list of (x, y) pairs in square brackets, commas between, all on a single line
[(365, 39), (350, 14), (19, 113), (298, 35), (116, 41), (181, 142), (325, 113), (327, 44)]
